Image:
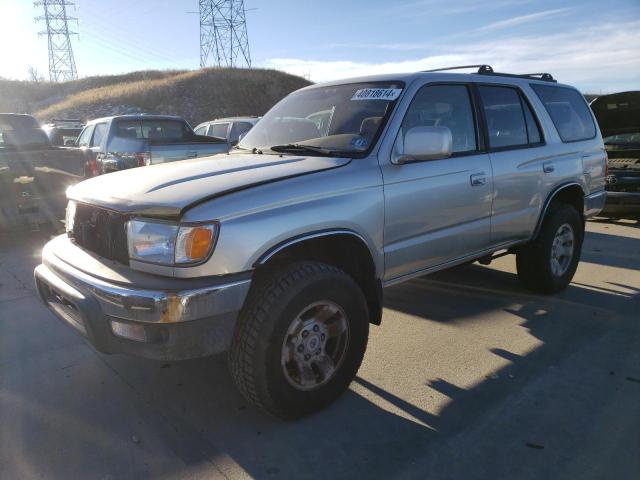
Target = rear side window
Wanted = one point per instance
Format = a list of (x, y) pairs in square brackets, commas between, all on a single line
[(219, 130), (152, 129), (568, 111), (510, 121), (237, 129), (201, 130), (98, 134)]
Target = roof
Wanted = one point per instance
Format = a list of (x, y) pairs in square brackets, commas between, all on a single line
[(136, 116), (409, 78), (250, 119)]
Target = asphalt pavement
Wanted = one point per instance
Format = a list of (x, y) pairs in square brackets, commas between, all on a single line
[(469, 377)]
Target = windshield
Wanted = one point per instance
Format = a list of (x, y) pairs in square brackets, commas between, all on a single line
[(343, 119), (623, 141)]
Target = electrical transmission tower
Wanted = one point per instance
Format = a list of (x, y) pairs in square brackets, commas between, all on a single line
[(62, 65), (223, 33)]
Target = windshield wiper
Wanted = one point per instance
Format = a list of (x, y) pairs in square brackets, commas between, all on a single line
[(301, 147)]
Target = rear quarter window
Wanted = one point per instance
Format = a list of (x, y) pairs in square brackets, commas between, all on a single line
[(171, 130), (568, 110)]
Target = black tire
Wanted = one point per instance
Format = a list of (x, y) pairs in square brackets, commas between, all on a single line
[(534, 260), (273, 303)]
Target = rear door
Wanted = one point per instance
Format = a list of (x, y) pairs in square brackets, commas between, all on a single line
[(518, 158), (437, 211)]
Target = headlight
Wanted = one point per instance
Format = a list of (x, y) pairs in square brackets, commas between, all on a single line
[(168, 243), (70, 216)]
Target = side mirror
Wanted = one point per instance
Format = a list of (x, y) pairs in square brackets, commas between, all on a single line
[(422, 143)]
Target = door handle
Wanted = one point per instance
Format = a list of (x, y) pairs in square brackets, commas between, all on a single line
[(548, 167), (192, 154), (478, 179)]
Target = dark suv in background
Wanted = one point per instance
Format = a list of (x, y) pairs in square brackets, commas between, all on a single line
[(618, 115)]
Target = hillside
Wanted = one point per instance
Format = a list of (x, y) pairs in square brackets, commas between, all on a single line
[(195, 95)]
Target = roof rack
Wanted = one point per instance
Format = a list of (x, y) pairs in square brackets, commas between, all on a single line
[(488, 70), (481, 68)]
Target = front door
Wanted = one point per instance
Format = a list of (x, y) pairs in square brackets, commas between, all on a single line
[(437, 211)]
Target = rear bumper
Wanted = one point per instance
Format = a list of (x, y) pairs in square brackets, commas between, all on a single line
[(174, 319), (594, 203)]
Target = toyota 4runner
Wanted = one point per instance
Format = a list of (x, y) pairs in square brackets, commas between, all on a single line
[(279, 251)]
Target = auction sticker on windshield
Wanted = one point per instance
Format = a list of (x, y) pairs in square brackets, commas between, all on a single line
[(377, 94)]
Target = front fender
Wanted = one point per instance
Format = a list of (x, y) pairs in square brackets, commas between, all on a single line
[(257, 221)]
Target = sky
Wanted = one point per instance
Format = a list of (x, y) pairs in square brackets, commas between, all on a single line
[(591, 44)]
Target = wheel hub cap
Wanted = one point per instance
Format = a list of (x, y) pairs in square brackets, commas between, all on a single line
[(314, 345), (562, 250)]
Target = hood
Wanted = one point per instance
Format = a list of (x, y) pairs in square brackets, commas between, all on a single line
[(617, 113), (168, 189)]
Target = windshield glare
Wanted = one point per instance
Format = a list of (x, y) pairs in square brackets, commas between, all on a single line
[(343, 119)]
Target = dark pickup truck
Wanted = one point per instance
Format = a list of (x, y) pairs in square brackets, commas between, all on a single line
[(618, 115), (34, 175), (128, 141)]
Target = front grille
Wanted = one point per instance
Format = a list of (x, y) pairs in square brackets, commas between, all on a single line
[(101, 231)]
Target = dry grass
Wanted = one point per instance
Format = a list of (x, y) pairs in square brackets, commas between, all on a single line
[(196, 95)]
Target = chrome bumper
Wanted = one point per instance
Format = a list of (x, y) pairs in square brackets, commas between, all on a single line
[(594, 203), (184, 318)]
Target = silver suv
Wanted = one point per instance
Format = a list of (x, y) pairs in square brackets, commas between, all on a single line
[(280, 250)]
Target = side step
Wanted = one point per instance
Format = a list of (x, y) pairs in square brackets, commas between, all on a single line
[(487, 259)]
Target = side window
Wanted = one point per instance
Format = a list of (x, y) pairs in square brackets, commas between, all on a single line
[(533, 129), (219, 130), (505, 117), (444, 106), (98, 135), (201, 130), (85, 137), (568, 110), (237, 129)]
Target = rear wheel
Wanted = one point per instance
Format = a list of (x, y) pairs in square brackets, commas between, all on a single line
[(300, 339), (548, 264)]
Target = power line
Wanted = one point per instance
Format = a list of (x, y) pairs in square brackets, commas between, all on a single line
[(223, 33), (62, 65)]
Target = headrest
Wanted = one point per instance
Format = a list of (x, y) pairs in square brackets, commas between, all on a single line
[(369, 125)]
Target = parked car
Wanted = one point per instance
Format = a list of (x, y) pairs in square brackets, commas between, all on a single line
[(230, 129), (34, 175), (63, 132), (280, 251), (618, 115), (127, 141)]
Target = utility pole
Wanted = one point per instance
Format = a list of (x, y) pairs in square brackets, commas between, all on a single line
[(62, 66), (223, 33)]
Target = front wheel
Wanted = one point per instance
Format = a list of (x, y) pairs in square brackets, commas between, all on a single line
[(300, 339), (548, 264)]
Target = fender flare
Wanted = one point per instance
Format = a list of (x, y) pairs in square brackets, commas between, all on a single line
[(271, 252), (548, 201), (374, 297)]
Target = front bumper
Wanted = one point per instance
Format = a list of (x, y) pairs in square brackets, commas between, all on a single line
[(178, 318)]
